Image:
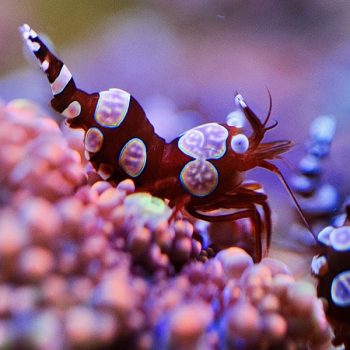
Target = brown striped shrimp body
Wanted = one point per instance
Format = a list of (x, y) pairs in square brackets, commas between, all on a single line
[(202, 170)]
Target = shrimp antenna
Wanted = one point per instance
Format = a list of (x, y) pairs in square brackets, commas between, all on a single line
[(275, 123), (269, 111), (274, 169)]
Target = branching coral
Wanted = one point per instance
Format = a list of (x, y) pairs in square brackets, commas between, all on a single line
[(85, 264)]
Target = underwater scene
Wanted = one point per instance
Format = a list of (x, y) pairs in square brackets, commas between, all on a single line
[(174, 175)]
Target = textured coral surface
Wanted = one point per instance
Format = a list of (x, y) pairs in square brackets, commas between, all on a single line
[(84, 264)]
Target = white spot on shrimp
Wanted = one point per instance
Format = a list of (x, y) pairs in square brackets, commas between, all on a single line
[(73, 110), (340, 289), (319, 265), (32, 45), (133, 157), (61, 81), (27, 32), (206, 141), (93, 140), (340, 238), (33, 34), (25, 27), (323, 236), (45, 65), (199, 177), (236, 119), (240, 101), (112, 107)]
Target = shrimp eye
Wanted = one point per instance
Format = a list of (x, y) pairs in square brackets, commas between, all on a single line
[(240, 143)]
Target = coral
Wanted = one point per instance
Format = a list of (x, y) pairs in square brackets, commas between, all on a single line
[(331, 268), (35, 157), (318, 199), (86, 264)]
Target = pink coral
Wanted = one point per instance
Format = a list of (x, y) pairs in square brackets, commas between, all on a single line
[(84, 263)]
